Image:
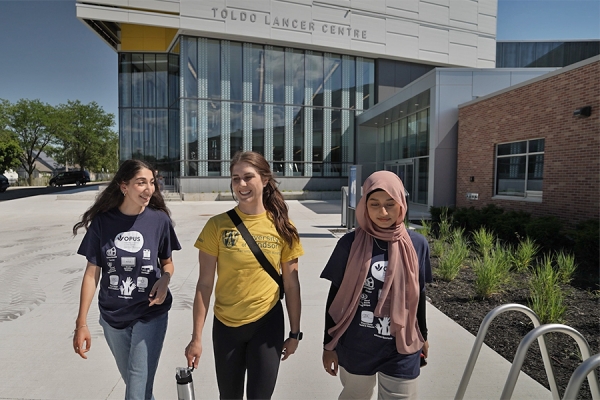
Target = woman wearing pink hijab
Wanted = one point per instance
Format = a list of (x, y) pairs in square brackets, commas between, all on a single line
[(375, 325)]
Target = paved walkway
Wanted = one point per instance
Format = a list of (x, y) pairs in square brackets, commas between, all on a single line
[(40, 277)]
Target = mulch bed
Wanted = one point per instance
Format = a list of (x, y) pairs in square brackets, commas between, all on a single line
[(458, 301)]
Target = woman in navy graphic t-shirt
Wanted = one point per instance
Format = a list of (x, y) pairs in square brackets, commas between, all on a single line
[(375, 328), (128, 243)]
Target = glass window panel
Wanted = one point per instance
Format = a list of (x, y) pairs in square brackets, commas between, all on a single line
[(511, 176), (412, 135), (402, 126), (423, 185), (368, 83), (352, 75), (190, 115), (277, 67), (536, 145), (258, 128), (510, 55), (257, 63), (527, 54), (149, 80), (512, 148), (150, 135), (162, 135), (317, 141), (298, 141), (214, 137), (174, 135), (535, 172), (314, 76), (162, 97), (297, 64), (423, 135), (190, 76), (125, 134), (278, 139), (137, 80), (388, 142), (381, 140), (125, 80), (395, 147), (214, 69), (333, 74), (236, 135), (336, 142), (235, 71), (173, 81), (137, 129)]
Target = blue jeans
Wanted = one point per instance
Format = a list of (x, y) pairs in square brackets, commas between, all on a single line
[(136, 350)]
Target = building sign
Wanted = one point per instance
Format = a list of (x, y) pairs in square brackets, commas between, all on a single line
[(287, 22)]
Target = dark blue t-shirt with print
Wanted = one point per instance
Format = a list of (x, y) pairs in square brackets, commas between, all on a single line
[(127, 248), (367, 347)]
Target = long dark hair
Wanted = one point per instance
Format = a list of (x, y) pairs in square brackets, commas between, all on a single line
[(272, 198), (111, 197)]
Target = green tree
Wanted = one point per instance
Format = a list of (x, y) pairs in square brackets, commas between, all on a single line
[(85, 138), (34, 126), (9, 145)]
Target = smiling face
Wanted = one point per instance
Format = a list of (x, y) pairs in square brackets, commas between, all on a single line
[(247, 184), (137, 192), (383, 209)]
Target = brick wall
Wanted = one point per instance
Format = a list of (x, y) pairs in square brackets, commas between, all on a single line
[(542, 109)]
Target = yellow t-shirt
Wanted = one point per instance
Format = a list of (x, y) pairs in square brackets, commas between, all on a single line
[(244, 292)]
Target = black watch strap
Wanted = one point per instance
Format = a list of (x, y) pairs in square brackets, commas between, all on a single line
[(297, 336)]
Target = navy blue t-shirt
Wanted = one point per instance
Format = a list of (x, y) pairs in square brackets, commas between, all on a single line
[(127, 248), (367, 347)]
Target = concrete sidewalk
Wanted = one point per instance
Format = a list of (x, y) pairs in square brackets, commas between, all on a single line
[(40, 277)]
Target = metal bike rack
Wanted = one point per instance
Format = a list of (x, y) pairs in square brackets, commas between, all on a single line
[(483, 328), (579, 375), (537, 333)]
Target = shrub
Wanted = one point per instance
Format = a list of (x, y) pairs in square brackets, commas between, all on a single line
[(510, 226), (524, 255), (425, 229), (566, 267), (548, 232), (445, 227), (452, 260), (586, 240), (491, 272), (546, 296), (438, 248), (484, 241)]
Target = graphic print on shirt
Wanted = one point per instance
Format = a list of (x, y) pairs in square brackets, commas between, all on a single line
[(146, 254), (383, 327), (127, 287), (131, 241), (377, 326), (378, 270), (230, 238)]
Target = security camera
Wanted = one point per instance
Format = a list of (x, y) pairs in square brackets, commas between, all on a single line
[(583, 111)]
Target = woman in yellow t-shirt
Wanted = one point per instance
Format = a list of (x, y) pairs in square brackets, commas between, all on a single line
[(248, 329)]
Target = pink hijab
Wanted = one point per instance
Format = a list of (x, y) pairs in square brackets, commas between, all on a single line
[(399, 297)]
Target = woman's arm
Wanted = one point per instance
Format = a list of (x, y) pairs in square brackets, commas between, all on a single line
[(204, 288), (159, 291), (291, 284), (82, 340), (330, 358)]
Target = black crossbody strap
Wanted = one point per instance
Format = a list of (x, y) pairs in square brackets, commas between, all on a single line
[(260, 256)]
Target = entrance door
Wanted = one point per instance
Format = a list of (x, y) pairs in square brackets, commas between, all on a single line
[(406, 173)]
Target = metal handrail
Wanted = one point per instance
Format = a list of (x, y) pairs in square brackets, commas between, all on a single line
[(579, 375), (536, 333), (483, 328)]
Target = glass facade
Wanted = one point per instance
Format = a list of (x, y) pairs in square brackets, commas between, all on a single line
[(404, 146), (544, 54), (195, 109)]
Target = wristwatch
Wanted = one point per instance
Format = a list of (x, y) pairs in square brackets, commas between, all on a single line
[(297, 336)]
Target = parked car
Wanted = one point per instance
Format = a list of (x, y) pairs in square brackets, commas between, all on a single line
[(69, 177), (4, 184)]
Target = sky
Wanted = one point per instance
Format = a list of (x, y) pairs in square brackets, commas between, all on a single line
[(46, 53)]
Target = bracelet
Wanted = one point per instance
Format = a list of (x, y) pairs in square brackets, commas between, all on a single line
[(78, 328)]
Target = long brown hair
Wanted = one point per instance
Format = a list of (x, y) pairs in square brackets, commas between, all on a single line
[(273, 200), (111, 197)]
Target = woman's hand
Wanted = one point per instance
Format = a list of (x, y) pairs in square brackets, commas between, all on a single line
[(158, 294), (193, 351), (82, 341), (425, 349), (330, 362), (289, 348)]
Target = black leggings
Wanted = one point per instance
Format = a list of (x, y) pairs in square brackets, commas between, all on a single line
[(255, 347)]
